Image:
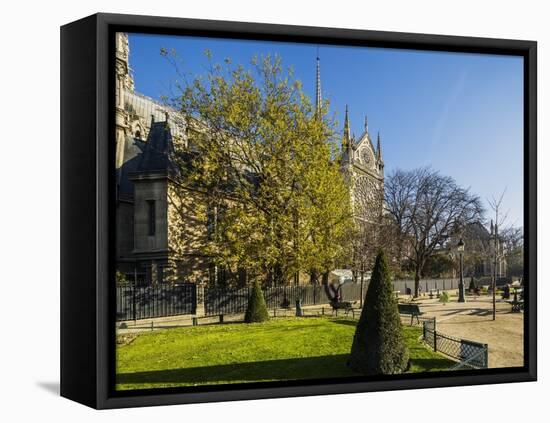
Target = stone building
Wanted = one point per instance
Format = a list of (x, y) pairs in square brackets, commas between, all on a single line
[(148, 244), (480, 251), (364, 168), (362, 165)]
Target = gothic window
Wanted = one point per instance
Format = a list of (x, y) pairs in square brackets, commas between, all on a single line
[(151, 217), (138, 134), (367, 198), (366, 156)]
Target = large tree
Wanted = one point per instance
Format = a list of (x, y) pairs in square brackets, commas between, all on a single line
[(263, 159), (428, 208)]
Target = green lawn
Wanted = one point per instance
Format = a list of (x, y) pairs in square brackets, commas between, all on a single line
[(281, 349)]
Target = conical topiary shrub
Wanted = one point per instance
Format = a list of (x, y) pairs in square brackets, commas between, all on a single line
[(256, 310), (378, 345)]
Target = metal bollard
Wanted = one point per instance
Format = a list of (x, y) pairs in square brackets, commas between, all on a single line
[(221, 318), (195, 321)]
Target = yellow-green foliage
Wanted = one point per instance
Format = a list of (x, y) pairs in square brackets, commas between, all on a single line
[(265, 161)]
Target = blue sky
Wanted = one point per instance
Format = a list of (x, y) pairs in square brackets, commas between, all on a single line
[(461, 114)]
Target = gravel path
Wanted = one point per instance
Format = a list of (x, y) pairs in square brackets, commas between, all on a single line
[(473, 320)]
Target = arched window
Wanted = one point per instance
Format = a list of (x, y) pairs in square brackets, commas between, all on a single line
[(138, 134)]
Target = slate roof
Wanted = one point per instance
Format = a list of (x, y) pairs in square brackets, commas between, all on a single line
[(158, 149), (133, 148), (154, 155)]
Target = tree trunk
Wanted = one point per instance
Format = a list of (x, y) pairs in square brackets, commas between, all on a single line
[(313, 275), (279, 275), (416, 283)]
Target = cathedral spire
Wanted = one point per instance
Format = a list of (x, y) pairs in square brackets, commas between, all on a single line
[(318, 98), (366, 124), (346, 142)]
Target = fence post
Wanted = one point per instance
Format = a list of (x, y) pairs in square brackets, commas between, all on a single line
[(435, 340), (199, 300), (486, 356)]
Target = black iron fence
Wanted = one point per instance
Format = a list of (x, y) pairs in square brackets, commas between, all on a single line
[(163, 300), (469, 354), (227, 301), (142, 302)]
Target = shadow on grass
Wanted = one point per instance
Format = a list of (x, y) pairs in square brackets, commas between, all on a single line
[(430, 364), (345, 322), (288, 369)]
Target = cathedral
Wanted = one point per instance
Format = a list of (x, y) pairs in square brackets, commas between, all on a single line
[(146, 132)]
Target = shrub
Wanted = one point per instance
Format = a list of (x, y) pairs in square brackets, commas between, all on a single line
[(256, 310), (378, 345), (444, 297), (120, 278)]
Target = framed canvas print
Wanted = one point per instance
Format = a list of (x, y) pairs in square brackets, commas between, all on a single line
[(257, 211)]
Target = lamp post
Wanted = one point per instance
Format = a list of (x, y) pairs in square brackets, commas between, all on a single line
[(460, 248), (362, 277)]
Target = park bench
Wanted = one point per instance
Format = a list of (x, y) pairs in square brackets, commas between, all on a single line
[(411, 309), (517, 304), (347, 306)]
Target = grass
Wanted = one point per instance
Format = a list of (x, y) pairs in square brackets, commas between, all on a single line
[(280, 349)]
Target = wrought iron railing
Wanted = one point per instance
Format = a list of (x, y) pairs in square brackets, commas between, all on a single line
[(470, 354)]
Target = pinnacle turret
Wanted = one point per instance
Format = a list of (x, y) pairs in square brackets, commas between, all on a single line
[(378, 147)]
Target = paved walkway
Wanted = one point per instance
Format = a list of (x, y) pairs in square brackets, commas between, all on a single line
[(158, 323), (473, 320)]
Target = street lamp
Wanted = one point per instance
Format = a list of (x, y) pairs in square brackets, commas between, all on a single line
[(460, 248), (362, 277)]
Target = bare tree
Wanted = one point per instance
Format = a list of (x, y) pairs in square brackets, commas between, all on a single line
[(500, 218), (428, 208), (512, 244)]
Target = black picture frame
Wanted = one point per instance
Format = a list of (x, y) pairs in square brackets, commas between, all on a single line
[(87, 300)]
